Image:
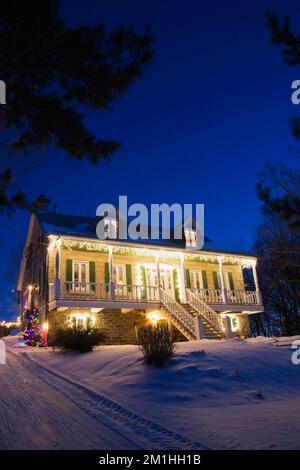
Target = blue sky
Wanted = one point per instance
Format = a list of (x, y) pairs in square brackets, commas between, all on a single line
[(213, 106)]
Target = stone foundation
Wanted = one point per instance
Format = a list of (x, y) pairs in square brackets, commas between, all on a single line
[(117, 327)]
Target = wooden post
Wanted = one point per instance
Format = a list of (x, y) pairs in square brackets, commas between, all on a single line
[(223, 287), (111, 274)]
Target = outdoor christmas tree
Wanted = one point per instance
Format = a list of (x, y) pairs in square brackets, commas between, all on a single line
[(32, 335)]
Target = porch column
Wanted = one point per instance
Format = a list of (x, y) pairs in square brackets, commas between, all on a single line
[(111, 273), (199, 327), (157, 270), (221, 273), (183, 278), (57, 270), (257, 291)]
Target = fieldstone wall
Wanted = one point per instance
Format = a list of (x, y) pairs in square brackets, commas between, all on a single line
[(117, 327)]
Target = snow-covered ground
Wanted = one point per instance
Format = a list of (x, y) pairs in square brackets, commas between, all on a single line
[(236, 395)]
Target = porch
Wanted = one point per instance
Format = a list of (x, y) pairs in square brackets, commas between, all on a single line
[(91, 292)]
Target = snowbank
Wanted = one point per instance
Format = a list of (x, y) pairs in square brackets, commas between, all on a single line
[(235, 395)]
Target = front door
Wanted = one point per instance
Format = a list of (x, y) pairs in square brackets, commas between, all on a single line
[(120, 279), (166, 281)]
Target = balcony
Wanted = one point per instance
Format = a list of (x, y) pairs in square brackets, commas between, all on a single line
[(112, 295)]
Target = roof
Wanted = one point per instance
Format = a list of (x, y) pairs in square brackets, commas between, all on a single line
[(85, 227)]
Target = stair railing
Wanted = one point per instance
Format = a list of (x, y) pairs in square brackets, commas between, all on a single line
[(179, 312), (203, 309)]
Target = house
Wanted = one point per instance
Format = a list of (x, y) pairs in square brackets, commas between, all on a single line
[(77, 280)]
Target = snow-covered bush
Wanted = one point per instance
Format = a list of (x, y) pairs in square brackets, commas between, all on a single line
[(73, 339), (156, 343)]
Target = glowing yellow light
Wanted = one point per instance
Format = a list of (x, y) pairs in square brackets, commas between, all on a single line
[(154, 317), (45, 326)]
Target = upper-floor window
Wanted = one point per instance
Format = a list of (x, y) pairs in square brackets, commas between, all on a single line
[(190, 238), (110, 228)]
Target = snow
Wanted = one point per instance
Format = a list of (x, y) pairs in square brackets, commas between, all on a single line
[(237, 394)]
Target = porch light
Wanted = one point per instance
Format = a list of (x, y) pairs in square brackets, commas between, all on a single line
[(154, 317)]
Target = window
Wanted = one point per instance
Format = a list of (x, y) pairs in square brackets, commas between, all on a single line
[(190, 238), (80, 274), (110, 228), (119, 275), (196, 280)]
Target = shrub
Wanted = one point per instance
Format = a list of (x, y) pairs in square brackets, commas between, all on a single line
[(156, 343), (4, 330), (74, 339)]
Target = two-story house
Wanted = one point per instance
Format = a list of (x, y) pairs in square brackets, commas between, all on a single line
[(77, 280)]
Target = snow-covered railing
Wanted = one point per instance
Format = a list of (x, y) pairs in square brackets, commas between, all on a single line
[(203, 309), (184, 321)]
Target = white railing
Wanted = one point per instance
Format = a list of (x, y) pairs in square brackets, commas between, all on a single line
[(217, 296), (112, 291), (207, 312), (84, 290), (184, 321), (210, 296), (242, 297)]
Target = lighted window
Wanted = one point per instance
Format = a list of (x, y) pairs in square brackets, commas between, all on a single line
[(110, 228), (190, 238)]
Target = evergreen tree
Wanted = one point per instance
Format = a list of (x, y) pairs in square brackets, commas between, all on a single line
[(32, 334), (53, 73)]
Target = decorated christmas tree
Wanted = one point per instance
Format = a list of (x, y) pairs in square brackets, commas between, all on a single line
[(32, 335)]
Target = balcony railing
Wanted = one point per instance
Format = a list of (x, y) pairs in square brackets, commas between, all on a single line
[(218, 296), (95, 291), (137, 293)]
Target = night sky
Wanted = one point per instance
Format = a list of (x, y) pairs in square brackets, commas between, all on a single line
[(213, 106)]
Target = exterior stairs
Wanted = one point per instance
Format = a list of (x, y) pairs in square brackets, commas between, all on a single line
[(208, 329)]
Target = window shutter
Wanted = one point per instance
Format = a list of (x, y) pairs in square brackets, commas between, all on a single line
[(188, 278), (230, 279), (129, 277), (175, 282), (69, 273), (106, 276), (216, 280), (204, 279), (143, 279), (92, 270)]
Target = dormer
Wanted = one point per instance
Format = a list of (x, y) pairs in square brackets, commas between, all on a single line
[(190, 238)]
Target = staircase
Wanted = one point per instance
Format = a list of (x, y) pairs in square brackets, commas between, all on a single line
[(209, 331), (184, 316), (181, 318)]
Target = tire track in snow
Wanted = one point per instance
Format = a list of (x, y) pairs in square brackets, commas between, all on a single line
[(143, 432)]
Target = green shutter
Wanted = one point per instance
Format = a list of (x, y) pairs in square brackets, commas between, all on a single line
[(106, 276), (92, 275), (176, 288), (230, 279), (129, 277), (216, 280), (204, 279), (188, 278), (69, 273), (143, 279)]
